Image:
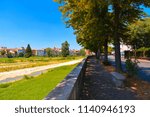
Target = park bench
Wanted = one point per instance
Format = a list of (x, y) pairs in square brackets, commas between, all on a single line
[(118, 78)]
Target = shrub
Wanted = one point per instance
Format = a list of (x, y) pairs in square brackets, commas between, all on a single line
[(127, 54), (131, 67), (27, 77), (106, 63), (21, 54), (4, 85), (148, 53), (9, 55), (139, 54)]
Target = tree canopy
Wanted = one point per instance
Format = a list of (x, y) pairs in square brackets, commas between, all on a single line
[(97, 22), (139, 34)]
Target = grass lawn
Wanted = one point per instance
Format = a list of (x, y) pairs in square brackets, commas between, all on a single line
[(8, 64), (34, 88)]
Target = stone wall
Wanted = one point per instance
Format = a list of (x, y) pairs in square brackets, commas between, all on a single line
[(70, 87)]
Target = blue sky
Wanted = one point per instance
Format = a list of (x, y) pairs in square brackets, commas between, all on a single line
[(37, 22)]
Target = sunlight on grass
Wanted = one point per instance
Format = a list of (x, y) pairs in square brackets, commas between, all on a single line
[(9, 64), (35, 88)]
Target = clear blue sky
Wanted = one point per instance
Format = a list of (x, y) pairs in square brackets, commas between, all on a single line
[(37, 22)]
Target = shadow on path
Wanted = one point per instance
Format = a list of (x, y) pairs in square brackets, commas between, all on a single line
[(98, 84)]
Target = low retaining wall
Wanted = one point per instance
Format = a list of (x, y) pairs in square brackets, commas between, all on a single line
[(70, 87)]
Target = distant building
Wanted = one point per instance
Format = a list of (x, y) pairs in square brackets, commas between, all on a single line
[(21, 50), (34, 52), (12, 51), (74, 52), (3, 48), (56, 49), (88, 52), (40, 52), (124, 48)]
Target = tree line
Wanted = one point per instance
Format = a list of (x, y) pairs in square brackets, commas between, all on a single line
[(139, 39), (99, 22)]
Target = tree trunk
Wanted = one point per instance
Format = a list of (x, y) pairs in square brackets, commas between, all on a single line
[(135, 54), (106, 50), (98, 53), (144, 54), (117, 38), (117, 55)]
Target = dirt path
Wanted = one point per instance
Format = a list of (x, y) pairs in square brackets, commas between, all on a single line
[(98, 84), (17, 74)]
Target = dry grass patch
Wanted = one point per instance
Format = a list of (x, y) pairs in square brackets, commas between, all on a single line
[(9, 64)]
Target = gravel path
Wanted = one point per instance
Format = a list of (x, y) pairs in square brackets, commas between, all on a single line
[(98, 84), (18, 74)]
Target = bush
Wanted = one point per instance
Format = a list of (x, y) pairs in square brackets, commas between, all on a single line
[(131, 67), (9, 55), (128, 54), (27, 77), (148, 53), (21, 55), (27, 55), (106, 63), (139, 54), (4, 85)]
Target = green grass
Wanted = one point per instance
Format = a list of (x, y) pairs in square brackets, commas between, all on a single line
[(34, 88)]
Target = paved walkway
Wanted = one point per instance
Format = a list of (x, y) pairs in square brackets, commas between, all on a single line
[(98, 84), (18, 74)]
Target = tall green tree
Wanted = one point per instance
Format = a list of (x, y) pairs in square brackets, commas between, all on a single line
[(82, 52), (88, 19), (94, 23), (124, 12), (49, 52), (139, 34), (28, 52), (65, 49)]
